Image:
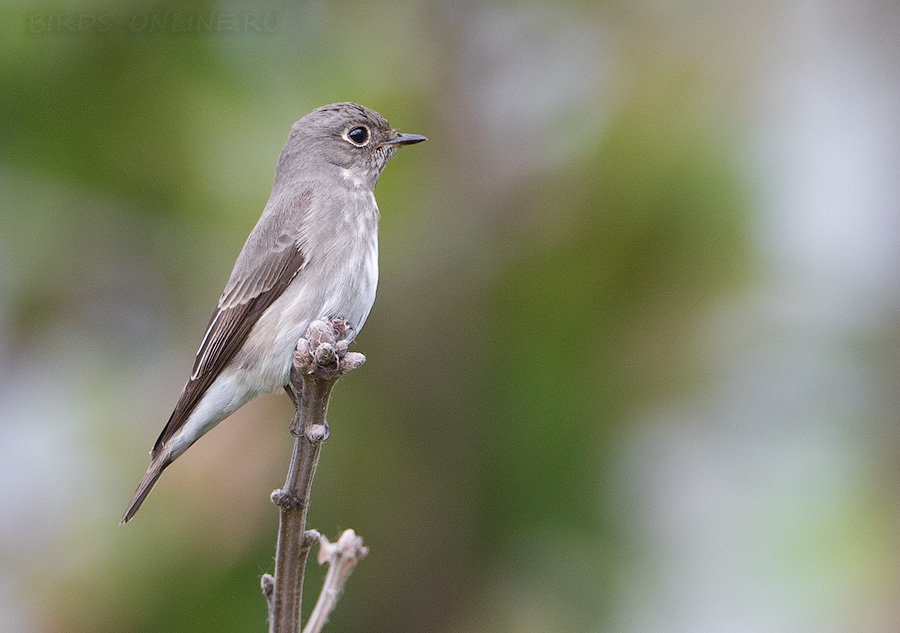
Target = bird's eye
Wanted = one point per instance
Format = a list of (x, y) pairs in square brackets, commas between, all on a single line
[(359, 135)]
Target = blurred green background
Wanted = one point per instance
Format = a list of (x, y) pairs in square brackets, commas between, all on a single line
[(633, 364)]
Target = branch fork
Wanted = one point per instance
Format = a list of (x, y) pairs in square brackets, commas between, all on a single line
[(320, 359)]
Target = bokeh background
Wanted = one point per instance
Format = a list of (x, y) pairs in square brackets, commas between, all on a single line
[(633, 365)]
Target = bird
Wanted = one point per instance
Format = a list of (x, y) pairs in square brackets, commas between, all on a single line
[(312, 254)]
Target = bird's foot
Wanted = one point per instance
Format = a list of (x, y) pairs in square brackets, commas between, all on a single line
[(341, 325), (315, 433)]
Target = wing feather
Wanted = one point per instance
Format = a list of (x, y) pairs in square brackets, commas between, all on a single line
[(265, 267)]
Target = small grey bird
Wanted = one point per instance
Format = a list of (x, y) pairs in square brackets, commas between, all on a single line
[(313, 253)]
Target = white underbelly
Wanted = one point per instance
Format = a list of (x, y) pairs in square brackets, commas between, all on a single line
[(346, 291)]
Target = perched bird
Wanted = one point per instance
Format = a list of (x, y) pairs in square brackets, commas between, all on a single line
[(313, 253)]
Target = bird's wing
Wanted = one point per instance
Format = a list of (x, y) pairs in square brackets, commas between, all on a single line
[(269, 261)]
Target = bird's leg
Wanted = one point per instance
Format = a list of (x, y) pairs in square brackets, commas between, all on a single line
[(290, 393), (296, 427)]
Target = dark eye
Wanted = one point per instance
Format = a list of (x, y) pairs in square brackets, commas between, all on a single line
[(358, 135)]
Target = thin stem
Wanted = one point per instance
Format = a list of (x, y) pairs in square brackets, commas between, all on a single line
[(320, 360), (341, 557), (293, 540)]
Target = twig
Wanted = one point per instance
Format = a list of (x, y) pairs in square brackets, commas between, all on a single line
[(320, 360), (341, 557)]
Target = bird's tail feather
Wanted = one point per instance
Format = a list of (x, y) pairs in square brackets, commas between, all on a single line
[(147, 482)]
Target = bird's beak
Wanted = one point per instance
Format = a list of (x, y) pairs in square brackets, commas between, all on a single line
[(405, 139)]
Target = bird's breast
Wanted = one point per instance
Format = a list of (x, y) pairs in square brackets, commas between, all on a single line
[(339, 279)]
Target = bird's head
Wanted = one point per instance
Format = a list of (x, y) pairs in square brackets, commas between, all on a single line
[(356, 140)]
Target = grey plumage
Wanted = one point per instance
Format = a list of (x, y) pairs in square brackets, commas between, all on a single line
[(313, 253)]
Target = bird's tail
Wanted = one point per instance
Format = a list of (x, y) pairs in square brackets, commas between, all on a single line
[(157, 465)]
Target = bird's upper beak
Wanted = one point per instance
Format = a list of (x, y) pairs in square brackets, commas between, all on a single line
[(406, 139)]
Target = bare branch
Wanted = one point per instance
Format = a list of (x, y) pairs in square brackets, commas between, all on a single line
[(320, 360), (341, 557)]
